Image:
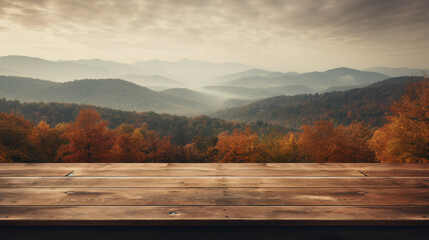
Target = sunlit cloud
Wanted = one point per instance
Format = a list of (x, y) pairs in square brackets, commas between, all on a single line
[(287, 35)]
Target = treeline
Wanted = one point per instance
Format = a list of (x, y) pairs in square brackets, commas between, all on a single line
[(405, 138)]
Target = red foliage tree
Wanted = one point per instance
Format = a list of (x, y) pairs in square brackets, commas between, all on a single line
[(46, 141), (143, 146), (325, 143), (240, 146), (89, 139)]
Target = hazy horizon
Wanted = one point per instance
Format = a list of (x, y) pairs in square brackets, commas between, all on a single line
[(290, 35)]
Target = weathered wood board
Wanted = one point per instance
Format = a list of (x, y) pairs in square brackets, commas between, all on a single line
[(161, 194)]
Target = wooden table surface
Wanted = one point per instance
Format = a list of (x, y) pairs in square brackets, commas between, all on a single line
[(213, 194)]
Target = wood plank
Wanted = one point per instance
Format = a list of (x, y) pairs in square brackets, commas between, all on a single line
[(214, 196), (194, 173), (25, 166), (210, 182), (213, 169), (176, 173), (256, 173), (159, 215), (35, 173), (396, 173), (219, 166), (361, 166)]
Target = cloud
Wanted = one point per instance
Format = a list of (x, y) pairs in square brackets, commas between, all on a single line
[(379, 26)]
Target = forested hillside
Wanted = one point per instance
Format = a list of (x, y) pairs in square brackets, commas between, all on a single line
[(368, 104)]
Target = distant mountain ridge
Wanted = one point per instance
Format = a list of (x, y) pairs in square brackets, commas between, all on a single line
[(192, 71), (184, 70), (111, 93), (398, 72), (249, 73), (316, 80)]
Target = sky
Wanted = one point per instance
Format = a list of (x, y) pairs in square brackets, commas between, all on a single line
[(283, 35)]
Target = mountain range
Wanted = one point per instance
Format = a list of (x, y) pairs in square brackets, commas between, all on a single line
[(184, 87), (185, 70), (318, 81)]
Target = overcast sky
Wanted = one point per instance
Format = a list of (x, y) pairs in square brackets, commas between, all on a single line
[(286, 35)]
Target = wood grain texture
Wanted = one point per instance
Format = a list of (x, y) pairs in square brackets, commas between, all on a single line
[(213, 169), (214, 182), (214, 196), (213, 193), (208, 166)]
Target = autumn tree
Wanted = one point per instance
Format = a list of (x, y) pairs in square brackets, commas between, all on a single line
[(289, 151), (356, 136), (239, 146), (325, 143), (270, 145), (89, 139), (15, 145), (202, 149), (46, 140), (318, 142), (405, 138), (275, 147), (143, 146)]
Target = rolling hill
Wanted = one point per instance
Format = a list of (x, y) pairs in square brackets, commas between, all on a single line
[(111, 93), (369, 104), (316, 80)]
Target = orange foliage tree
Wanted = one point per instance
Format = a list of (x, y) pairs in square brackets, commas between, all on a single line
[(89, 139), (319, 143), (357, 136), (406, 137), (46, 140), (240, 146), (15, 145), (325, 143)]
